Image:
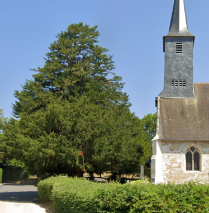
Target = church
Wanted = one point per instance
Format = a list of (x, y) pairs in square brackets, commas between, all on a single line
[(180, 148)]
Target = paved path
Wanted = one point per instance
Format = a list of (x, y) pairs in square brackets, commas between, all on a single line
[(15, 198)]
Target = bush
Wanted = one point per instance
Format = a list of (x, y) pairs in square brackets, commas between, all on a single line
[(1, 175), (173, 198), (46, 186), (117, 198), (142, 181), (77, 195)]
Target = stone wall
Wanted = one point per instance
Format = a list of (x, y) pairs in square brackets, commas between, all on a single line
[(169, 163)]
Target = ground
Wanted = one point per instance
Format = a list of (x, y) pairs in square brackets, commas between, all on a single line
[(19, 198)]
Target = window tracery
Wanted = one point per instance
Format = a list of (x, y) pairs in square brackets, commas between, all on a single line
[(193, 159)]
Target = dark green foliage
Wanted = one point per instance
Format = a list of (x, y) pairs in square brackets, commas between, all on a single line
[(147, 171), (1, 175), (75, 104), (3, 122), (13, 170), (117, 198), (14, 173), (134, 198), (149, 122), (190, 197), (78, 195)]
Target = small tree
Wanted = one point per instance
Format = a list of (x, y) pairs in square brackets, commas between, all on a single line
[(149, 122)]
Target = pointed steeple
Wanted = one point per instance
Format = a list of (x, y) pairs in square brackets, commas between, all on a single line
[(178, 25), (179, 21)]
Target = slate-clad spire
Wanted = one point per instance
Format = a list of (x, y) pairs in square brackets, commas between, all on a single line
[(178, 24), (178, 47)]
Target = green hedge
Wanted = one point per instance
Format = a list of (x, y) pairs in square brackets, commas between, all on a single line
[(173, 198), (75, 195), (1, 175), (46, 186), (79, 196), (118, 198)]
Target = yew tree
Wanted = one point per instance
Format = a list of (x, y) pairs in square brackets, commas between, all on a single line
[(73, 113)]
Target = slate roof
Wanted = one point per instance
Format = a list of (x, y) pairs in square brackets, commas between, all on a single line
[(184, 119)]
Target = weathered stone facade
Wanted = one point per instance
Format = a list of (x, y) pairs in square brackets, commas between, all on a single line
[(170, 162)]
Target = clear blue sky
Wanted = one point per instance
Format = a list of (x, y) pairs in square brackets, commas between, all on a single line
[(131, 30)]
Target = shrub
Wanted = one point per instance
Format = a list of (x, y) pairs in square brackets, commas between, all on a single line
[(1, 175), (117, 198), (46, 186), (173, 198), (77, 196), (134, 198), (142, 181)]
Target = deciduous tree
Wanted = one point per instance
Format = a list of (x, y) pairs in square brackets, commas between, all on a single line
[(149, 125)]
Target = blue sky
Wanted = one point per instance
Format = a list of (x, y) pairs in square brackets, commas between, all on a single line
[(131, 30)]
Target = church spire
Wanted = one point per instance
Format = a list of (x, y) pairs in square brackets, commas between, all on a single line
[(178, 25), (179, 21), (178, 47)]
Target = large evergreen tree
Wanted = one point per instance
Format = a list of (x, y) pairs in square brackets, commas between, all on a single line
[(73, 114)]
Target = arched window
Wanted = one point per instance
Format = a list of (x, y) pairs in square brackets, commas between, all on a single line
[(193, 159)]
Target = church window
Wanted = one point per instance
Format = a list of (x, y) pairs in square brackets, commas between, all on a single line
[(178, 83), (193, 159), (178, 47)]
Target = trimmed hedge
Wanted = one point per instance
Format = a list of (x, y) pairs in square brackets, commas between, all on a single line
[(79, 196), (173, 198), (117, 198), (75, 195), (46, 186), (1, 175)]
